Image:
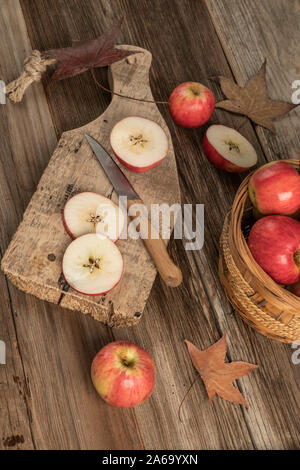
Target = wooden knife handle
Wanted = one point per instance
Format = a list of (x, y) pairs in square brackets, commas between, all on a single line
[(169, 272)]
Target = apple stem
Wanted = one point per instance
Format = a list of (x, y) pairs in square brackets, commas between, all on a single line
[(186, 394), (126, 363), (297, 257), (122, 96)]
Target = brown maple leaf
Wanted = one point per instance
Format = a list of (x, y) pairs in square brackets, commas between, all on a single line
[(218, 375), (84, 55), (252, 100)]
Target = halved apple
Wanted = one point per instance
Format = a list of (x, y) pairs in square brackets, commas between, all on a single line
[(139, 143), (92, 265), (228, 150), (92, 213)]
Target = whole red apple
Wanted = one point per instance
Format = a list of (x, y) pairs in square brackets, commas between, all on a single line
[(275, 189), (295, 288), (274, 242), (123, 374), (191, 104), (228, 150)]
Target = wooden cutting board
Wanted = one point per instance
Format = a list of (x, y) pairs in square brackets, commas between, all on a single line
[(33, 259)]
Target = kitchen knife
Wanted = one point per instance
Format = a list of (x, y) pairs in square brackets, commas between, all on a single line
[(169, 272)]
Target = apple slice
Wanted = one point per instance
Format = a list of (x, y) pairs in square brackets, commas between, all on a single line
[(92, 213), (140, 144), (92, 265), (228, 150)]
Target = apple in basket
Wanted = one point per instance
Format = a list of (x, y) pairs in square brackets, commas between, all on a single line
[(191, 104), (274, 188), (274, 242), (228, 150), (123, 374)]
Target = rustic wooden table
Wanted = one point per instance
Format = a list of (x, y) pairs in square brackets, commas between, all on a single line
[(47, 400)]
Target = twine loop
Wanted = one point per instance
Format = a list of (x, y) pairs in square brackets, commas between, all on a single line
[(34, 67)]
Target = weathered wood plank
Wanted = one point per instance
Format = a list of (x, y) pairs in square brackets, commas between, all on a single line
[(14, 400), (198, 310), (246, 44), (53, 398), (14, 407), (252, 31)]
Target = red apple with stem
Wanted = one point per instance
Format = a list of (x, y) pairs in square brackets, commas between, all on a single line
[(274, 242), (275, 189), (191, 104), (123, 374), (228, 150)]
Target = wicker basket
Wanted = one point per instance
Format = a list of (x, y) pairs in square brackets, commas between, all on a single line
[(263, 304)]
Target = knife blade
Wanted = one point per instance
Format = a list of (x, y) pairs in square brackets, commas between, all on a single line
[(116, 176), (169, 272)]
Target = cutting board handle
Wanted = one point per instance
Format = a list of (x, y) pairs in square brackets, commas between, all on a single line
[(120, 76)]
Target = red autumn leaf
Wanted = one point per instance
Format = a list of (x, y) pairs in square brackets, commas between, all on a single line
[(217, 375), (84, 55)]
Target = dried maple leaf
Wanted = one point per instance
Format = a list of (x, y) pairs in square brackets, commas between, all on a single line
[(252, 100), (218, 375), (84, 55)]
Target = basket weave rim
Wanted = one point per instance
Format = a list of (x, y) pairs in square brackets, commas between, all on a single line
[(260, 280), (281, 327)]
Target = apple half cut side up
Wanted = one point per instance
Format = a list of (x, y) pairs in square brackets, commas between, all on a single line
[(139, 143), (228, 150), (92, 265), (92, 213)]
